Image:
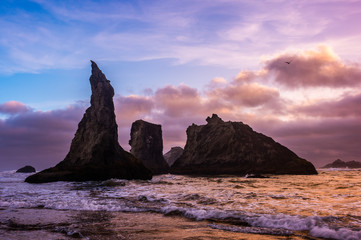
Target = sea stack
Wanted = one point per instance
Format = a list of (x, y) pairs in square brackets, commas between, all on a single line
[(173, 154), (147, 145), (95, 153), (234, 148), (26, 169)]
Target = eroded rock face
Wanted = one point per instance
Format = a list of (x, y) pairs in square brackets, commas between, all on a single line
[(26, 169), (234, 148), (172, 155), (147, 145), (95, 153)]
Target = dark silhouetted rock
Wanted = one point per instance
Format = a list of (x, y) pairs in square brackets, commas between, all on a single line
[(95, 153), (234, 148), (147, 145), (173, 154), (341, 164), (26, 169)]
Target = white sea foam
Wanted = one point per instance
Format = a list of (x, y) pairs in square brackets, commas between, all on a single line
[(342, 233)]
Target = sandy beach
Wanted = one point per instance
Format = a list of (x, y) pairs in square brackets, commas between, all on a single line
[(54, 224)]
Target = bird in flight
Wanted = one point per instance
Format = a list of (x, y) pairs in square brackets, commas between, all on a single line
[(289, 62)]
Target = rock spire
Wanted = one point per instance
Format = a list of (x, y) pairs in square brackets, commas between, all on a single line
[(95, 153)]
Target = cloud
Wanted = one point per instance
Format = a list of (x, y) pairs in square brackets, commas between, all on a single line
[(132, 107), (13, 107), (348, 106), (318, 140), (248, 95), (319, 68), (178, 101), (61, 34), (37, 138), (318, 129), (177, 107)]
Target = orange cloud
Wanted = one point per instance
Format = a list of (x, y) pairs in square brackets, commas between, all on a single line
[(320, 68)]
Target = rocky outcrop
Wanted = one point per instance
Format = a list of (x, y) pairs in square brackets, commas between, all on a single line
[(234, 148), (95, 153), (147, 145), (341, 164), (26, 169), (172, 155)]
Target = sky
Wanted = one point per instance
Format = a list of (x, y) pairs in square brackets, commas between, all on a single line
[(176, 62)]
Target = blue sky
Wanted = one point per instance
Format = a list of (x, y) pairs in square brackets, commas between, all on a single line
[(224, 56), (46, 46)]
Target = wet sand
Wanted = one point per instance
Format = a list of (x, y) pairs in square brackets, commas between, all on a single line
[(54, 224)]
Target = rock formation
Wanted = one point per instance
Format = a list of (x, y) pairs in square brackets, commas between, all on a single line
[(95, 153), (341, 164), (147, 145), (172, 155), (234, 148), (26, 169)]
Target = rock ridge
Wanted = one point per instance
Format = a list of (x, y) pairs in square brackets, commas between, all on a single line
[(234, 148)]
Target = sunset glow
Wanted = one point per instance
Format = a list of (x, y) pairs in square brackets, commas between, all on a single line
[(176, 62)]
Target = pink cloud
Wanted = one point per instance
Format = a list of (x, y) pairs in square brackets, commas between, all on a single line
[(248, 94), (321, 68), (348, 106), (13, 107), (132, 107), (177, 101)]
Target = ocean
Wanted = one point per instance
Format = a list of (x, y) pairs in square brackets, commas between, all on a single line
[(323, 206)]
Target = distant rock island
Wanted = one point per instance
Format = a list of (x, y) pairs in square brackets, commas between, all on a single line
[(341, 164), (234, 148), (26, 169), (173, 154), (95, 153), (147, 145)]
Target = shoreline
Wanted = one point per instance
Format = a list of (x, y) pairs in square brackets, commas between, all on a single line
[(50, 224)]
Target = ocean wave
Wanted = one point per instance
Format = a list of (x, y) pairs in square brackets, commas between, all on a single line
[(253, 230), (342, 233), (279, 224), (261, 210)]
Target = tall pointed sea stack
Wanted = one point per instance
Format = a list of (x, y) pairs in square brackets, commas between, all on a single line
[(95, 153)]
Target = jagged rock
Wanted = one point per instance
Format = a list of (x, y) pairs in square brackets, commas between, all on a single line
[(26, 169), (95, 153), (147, 145), (341, 164), (172, 155), (234, 148)]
